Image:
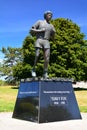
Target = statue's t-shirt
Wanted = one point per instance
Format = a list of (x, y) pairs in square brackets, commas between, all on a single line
[(44, 29)]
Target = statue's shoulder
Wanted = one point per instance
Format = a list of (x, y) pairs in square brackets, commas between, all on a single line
[(40, 21)]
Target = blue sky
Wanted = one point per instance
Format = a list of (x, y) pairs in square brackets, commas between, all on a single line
[(17, 17)]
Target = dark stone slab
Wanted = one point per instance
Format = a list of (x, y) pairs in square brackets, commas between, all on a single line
[(46, 101)]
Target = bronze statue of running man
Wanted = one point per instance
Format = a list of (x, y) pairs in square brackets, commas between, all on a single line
[(43, 30)]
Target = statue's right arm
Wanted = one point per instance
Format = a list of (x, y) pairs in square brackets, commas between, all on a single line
[(35, 28)]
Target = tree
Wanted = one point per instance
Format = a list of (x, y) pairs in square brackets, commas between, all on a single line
[(68, 53), (12, 57), (23, 70)]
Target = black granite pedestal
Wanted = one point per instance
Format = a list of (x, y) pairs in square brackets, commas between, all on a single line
[(46, 101)]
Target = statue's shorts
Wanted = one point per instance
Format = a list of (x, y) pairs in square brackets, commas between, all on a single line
[(42, 43)]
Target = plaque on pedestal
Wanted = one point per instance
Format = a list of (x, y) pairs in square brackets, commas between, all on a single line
[(46, 101)]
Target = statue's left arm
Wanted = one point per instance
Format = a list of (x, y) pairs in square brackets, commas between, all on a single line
[(53, 31)]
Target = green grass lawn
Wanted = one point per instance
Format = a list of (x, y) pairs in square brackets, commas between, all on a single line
[(8, 97), (81, 96)]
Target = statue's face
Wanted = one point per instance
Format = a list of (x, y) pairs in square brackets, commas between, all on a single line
[(48, 17)]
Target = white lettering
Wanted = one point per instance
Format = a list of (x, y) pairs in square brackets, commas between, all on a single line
[(31, 92), (61, 92)]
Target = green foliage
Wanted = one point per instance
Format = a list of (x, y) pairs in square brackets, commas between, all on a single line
[(67, 51), (12, 57), (28, 50), (21, 71)]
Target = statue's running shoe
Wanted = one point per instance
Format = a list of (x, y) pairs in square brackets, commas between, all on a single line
[(45, 75), (33, 73)]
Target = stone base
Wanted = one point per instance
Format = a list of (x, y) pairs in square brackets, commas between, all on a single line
[(46, 101)]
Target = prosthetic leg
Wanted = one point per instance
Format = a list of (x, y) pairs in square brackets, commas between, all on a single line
[(33, 72)]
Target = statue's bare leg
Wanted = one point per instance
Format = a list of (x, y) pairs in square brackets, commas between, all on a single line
[(46, 62)]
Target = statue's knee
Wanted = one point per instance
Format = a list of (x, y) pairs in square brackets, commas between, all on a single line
[(47, 59), (37, 54)]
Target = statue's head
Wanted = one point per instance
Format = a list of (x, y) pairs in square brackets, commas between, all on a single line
[(46, 13)]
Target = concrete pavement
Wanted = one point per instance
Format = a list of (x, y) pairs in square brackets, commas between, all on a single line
[(9, 123)]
